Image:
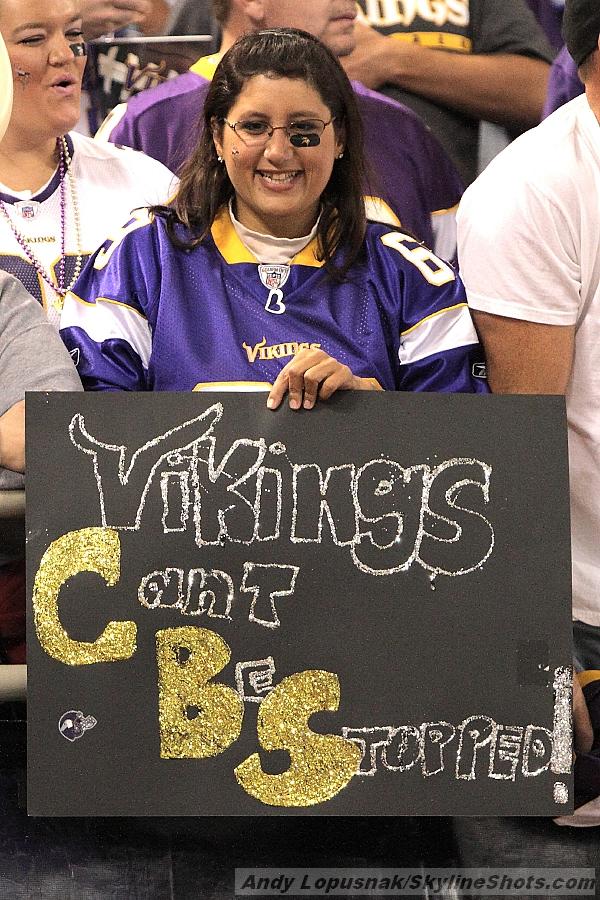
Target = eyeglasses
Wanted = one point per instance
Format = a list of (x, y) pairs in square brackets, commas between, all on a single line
[(303, 133)]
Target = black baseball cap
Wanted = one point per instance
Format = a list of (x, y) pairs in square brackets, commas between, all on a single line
[(581, 27)]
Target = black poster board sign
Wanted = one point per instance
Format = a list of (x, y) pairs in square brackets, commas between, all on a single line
[(359, 610)]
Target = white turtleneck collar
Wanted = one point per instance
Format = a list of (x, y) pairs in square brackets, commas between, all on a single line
[(267, 248)]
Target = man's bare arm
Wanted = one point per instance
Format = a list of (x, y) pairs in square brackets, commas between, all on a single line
[(506, 88), (12, 438), (525, 357)]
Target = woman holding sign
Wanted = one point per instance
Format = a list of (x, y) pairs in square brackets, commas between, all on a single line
[(263, 271)]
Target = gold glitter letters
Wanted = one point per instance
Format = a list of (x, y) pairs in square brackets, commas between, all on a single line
[(187, 659), (88, 550), (322, 764)]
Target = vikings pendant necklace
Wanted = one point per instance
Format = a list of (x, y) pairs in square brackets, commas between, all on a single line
[(274, 276)]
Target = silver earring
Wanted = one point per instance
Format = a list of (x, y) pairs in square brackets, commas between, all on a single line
[(340, 154), (219, 159)]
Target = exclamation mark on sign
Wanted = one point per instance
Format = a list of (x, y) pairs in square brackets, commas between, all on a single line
[(562, 736)]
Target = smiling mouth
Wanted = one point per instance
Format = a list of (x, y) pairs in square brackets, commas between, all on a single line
[(279, 177)]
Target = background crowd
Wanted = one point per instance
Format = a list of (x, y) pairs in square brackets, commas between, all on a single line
[(372, 199)]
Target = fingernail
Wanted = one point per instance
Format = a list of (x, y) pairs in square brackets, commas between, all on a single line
[(308, 404), (271, 403), (294, 404)]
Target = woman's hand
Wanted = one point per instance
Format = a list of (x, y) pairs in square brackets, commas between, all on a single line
[(311, 374), (105, 16), (12, 438)]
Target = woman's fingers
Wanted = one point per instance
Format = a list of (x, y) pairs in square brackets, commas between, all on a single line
[(278, 390), (339, 379), (281, 385), (295, 380), (291, 379), (312, 379), (311, 374)]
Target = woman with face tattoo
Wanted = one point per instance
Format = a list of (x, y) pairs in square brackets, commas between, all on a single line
[(61, 194)]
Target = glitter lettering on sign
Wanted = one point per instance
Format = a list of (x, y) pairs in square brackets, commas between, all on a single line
[(386, 515), (88, 550), (212, 592), (370, 742), (123, 477), (479, 746), (321, 764), (254, 679), (196, 719), (255, 577)]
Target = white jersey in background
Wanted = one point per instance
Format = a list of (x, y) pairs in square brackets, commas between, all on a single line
[(109, 183), (529, 249)]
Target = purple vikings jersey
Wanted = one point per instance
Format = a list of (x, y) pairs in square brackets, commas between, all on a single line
[(549, 14), (564, 83), (409, 170), (147, 316)]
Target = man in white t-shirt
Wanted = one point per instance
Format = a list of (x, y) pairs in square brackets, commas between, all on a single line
[(530, 259)]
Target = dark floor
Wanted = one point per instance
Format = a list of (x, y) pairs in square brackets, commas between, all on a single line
[(191, 858)]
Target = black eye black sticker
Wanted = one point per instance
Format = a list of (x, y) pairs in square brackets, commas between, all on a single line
[(305, 140)]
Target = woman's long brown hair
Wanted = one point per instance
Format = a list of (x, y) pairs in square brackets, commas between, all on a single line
[(204, 184)]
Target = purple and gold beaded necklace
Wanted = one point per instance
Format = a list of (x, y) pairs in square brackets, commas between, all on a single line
[(65, 172)]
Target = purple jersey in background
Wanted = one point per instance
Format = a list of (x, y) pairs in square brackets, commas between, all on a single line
[(409, 170), (549, 14), (563, 84)]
